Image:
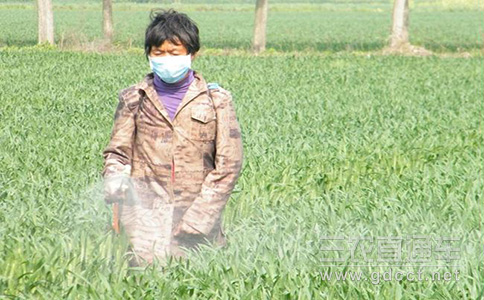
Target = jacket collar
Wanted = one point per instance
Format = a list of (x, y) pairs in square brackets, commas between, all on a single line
[(197, 87)]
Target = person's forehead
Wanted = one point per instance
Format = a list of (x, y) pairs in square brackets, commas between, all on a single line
[(169, 44)]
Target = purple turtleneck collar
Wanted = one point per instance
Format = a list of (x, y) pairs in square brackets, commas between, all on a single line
[(160, 84), (171, 94)]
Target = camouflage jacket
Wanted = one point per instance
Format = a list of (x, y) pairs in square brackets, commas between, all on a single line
[(191, 163)]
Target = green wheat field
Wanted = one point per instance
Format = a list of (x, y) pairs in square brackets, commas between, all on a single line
[(338, 142)]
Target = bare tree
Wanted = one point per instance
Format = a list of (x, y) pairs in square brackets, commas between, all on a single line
[(108, 20), (45, 21), (260, 25), (399, 38), (399, 35)]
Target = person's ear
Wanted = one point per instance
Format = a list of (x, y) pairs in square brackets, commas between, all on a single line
[(194, 55)]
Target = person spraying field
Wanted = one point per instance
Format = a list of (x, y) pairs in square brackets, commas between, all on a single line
[(175, 151)]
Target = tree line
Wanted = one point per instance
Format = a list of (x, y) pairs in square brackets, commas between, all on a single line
[(399, 36)]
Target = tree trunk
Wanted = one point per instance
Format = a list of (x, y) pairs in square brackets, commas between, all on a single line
[(399, 35), (260, 24), (45, 21), (108, 20)]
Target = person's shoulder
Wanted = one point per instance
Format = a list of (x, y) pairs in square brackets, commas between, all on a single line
[(214, 87), (218, 93), (132, 94), (137, 88), (128, 92)]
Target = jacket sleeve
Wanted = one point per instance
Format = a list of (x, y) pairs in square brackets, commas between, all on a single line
[(219, 183), (117, 155)]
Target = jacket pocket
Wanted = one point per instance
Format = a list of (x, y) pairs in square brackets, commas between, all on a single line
[(203, 123)]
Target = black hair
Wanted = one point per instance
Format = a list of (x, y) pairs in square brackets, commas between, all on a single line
[(172, 26)]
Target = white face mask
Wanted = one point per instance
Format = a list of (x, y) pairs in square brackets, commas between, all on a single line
[(171, 68)]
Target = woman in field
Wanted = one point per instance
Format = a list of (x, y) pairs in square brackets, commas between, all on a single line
[(175, 152)]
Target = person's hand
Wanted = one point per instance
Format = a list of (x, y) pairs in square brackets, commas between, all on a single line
[(115, 188), (187, 236), (185, 229)]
